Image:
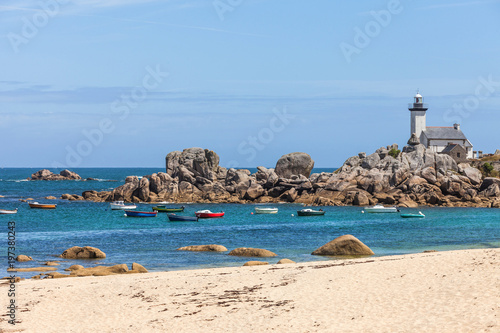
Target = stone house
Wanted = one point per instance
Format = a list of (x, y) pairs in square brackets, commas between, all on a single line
[(455, 151)]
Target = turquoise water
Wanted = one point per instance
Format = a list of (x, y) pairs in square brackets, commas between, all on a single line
[(152, 242)]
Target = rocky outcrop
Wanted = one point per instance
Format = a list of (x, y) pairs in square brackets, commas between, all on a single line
[(343, 245), (208, 248), (251, 252), (416, 176), (86, 252), (48, 175)]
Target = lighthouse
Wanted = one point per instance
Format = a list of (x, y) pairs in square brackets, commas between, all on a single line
[(418, 110), (437, 138)]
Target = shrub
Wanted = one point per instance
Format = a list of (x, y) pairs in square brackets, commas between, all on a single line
[(394, 152), (488, 167)]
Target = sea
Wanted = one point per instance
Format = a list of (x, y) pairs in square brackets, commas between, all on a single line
[(152, 242)]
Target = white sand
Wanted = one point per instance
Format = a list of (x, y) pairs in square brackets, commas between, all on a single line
[(456, 291)]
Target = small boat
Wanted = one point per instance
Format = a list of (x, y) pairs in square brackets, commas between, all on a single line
[(163, 208), (180, 218), (42, 206), (378, 208), (310, 212), (410, 215), (205, 214), (266, 210), (134, 213), (6, 211), (120, 205)]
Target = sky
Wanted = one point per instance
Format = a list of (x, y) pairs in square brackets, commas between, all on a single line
[(121, 83)]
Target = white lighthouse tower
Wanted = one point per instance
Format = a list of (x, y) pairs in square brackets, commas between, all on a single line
[(418, 109)]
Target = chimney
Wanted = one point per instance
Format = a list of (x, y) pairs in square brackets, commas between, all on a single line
[(456, 126)]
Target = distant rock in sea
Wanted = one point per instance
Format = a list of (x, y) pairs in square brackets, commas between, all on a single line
[(49, 175)]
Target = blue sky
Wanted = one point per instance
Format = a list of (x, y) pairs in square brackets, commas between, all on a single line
[(89, 83)]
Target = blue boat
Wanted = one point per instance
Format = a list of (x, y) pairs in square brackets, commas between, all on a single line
[(419, 215), (180, 218), (133, 213)]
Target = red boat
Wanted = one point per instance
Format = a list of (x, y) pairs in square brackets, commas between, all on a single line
[(208, 214)]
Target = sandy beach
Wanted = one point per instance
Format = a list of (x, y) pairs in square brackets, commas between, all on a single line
[(455, 291)]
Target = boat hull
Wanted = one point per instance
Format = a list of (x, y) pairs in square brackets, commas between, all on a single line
[(408, 216), (266, 210), (381, 209), (168, 210), (209, 215), (42, 206), (121, 206), (6, 211), (179, 218), (313, 213), (133, 213)]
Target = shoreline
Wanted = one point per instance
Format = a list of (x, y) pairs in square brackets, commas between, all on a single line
[(451, 291)]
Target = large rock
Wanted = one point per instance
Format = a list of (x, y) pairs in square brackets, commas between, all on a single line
[(86, 252), (489, 181), (474, 175), (344, 245), (294, 164), (125, 191), (251, 252), (208, 248), (253, 192), (201, 162)]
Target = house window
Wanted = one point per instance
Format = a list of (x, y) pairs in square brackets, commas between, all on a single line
[(458, 155)]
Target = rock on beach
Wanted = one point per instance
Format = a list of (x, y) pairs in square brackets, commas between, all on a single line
[(344, 245), (208, 248), (251, 252)]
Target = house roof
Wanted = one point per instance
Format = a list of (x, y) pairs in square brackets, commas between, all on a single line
[(444, 133), (450, 148)]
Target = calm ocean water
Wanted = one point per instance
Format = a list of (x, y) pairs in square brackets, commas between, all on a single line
[(44, 234)]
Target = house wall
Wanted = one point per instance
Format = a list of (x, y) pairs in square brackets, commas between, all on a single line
[(438, 145)]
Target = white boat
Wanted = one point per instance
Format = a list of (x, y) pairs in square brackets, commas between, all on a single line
[(378, 208), (117, 205), (6, 211), (266, 210)]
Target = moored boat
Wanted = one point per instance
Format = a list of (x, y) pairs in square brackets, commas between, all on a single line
[(181, 218), (208, 214), (164, 209), (120, 205), (42, 206), (134, 213), (378, 208), (310, 212), (7, 211), (413, 215), (266, 210)]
